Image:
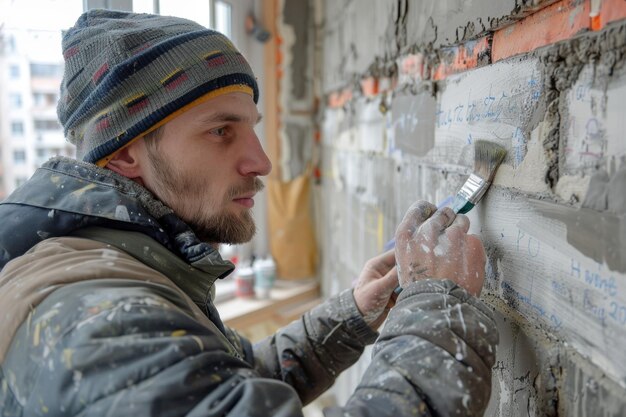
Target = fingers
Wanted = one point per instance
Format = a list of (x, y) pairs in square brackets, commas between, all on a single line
[(431, 229), (421, 210), (391, 279), (387, 283), (462, 222), (386, 259), (417, 214), (442, 219)]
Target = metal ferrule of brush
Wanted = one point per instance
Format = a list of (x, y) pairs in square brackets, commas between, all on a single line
[(474, 188)]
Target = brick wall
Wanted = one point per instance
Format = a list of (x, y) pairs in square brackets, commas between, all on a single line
[(408, 87)]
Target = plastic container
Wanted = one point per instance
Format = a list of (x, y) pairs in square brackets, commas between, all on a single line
[(264, 277), (244, 282)]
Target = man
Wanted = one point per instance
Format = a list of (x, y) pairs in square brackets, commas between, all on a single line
[(108, 262)]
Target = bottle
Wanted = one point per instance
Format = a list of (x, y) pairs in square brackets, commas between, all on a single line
[(265, 275), (244, 282)]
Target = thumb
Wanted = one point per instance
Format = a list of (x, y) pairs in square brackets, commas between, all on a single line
[(387, 284)]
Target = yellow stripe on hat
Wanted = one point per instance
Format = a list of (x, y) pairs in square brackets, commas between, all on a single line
[(235, 88)]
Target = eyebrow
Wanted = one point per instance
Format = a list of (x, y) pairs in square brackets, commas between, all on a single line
[(228, 117)]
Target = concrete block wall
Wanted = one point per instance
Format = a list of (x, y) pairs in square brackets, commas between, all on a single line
[(408, 87)]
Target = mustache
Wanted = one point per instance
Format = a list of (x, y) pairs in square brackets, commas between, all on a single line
[(255, 185)]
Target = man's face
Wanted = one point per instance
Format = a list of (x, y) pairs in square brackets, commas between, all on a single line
[(205, 167)]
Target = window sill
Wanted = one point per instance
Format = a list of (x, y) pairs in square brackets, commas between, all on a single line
[(288, 301)]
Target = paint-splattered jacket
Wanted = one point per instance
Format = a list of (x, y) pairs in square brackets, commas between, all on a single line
[(106, 310)]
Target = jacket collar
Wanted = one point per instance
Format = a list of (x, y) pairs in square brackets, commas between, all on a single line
[(66, 195)]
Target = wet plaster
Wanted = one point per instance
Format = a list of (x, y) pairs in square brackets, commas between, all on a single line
[(298, 19), (561, 65), (364, 38), (538, 374), (555, 274), (551, 284), (598, 230), (598, 235), (525, 381), (584, 391), (500, 103), (608, 193), (413, 122), (295, 129)]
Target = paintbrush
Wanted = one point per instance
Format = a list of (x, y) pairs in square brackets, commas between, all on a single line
[(487, 158)]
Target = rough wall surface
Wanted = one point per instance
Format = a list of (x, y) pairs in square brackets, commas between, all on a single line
[(410, 86)]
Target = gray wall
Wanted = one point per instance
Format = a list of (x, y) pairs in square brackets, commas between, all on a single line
[(554, 223)]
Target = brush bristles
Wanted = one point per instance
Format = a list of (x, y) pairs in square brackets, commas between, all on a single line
[(487, 158)]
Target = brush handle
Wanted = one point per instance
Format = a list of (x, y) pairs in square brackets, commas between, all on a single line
[(461, 204)]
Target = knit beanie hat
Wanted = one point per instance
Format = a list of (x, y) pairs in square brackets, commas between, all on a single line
[(126, 74)]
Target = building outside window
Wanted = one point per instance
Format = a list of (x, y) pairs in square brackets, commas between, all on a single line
[(35, 39), (44, 99), (48, 124), (14, 72), (17, 128), (46, 70), (15, 100), (11, 45), (19, 157)]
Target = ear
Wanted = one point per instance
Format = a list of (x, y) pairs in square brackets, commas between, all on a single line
[(128, 161)]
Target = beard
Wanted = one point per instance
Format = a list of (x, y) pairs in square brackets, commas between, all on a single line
[(211, 224)]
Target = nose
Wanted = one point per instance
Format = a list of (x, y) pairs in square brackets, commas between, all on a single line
[(256, 162)]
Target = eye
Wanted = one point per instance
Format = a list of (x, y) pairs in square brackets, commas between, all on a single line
[(220, 131)]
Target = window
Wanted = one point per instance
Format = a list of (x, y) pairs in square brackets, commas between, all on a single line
[(19, 157), (11, 44), (17, 128), (46, 70), (223, 18), (44, 99), (124, 5), (15, 100), (143, 6), (14, 71), (49, 124), (196, 10)]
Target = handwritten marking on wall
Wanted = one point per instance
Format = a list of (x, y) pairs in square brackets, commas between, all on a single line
[(495, 103), (551, 283), (412, 124), (593, 123)]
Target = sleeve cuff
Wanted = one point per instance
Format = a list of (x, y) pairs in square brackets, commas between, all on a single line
[(438, 286), (354, 320)]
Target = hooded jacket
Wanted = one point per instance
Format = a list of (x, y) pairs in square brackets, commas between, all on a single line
[(107, 302)]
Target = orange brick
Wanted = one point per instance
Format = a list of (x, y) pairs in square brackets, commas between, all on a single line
[(610, 11), (411, 68), (551, 24), (369, 86), (467, 55), (339, 98)]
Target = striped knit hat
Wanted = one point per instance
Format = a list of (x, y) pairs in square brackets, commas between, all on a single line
[(126, 74)]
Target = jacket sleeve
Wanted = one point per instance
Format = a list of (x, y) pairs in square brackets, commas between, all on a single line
[(121, 347), (309, 353), (433, 357)]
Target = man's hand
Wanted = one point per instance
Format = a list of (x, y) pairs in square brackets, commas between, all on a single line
[(433, 243), (373, 293)]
